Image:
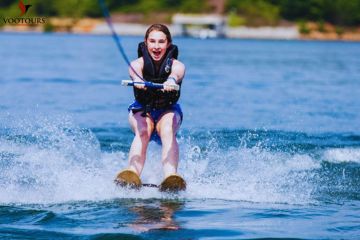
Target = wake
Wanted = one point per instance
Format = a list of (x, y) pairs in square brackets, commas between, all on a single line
[(52, 160)]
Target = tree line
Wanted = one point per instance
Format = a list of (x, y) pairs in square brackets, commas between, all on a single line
[(337, 12), (247, 12)]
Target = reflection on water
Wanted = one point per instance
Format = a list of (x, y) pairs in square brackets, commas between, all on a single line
[(155, 214)]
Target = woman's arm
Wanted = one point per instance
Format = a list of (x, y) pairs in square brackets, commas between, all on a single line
[(176, 76), (177, 71), (137, 66)]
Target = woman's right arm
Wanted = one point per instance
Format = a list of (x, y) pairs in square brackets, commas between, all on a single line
[(137, 66)]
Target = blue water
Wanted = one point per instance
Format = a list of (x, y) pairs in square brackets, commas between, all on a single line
[(269, 146)]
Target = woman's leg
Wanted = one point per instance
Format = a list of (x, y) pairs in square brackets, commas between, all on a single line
[(167, 127), (142, 128)]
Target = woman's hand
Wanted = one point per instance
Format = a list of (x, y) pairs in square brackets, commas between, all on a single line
[(169, 84), (139, 86)]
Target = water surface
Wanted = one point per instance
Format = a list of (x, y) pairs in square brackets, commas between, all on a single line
[(269, 146)]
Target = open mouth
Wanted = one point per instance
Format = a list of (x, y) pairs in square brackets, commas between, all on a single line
[(156, 55)]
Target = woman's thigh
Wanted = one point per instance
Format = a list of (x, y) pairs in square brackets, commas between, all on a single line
[(140, 124), (169, 122)]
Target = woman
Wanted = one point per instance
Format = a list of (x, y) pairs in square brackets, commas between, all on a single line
[(155, 113)]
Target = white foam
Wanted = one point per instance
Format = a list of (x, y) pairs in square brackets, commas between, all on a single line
[(64, 163), (338, 155), (253, 175)]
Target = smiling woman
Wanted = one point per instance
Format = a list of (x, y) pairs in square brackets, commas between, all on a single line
[(155, 113), (162, 34)]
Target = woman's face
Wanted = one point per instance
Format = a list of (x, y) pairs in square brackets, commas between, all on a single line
[(157, 44)]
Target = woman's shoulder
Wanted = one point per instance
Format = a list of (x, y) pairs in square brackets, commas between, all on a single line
[(139, 62), (178, 63)]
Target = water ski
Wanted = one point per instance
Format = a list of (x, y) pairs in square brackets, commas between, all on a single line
[(173, 183), (128, 178)]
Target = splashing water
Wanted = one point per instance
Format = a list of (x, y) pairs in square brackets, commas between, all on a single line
[(47, 159)]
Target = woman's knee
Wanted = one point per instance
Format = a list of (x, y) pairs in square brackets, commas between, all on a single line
[(142, 127), (143, 132), (168, 125), (167, 130)]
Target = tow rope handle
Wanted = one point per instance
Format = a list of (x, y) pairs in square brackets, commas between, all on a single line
[(148, 84)]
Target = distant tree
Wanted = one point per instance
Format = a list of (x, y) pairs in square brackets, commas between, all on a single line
[(253, 12), (147, 6), (256, 12), (342, 12), (348, 12), (194, 6), (6, 3), (44, 8)]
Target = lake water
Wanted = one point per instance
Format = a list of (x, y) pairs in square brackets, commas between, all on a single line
[(269, 146)]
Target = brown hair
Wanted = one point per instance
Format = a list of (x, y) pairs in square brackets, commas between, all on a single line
[(161, 28)]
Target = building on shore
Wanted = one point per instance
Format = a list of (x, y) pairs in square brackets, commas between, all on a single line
[(200, 26)]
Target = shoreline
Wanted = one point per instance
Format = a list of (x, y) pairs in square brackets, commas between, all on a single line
[(99, 27)]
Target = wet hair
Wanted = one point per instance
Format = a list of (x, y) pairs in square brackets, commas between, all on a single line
[(161, 28)]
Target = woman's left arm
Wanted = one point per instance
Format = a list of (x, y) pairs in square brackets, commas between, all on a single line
[(176, 76), (177, 71)]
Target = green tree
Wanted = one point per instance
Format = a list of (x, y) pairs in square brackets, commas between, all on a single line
[(341, 12), (43, 8), (6, 3), (348, 12), (253, 12), (256, 12)]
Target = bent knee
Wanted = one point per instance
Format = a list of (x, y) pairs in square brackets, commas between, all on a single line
[(143, 133), (169, 125), (167, 130)]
